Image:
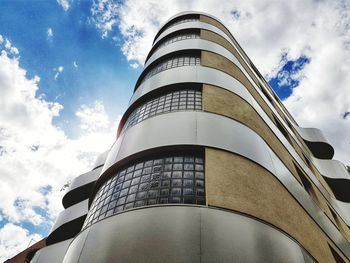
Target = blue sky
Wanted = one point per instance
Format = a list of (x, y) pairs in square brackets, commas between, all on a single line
[(68, 68), (102, 71), (285, 81), (94, 68)]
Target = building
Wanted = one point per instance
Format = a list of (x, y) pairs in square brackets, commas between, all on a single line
[(28, 253), (208, 166)]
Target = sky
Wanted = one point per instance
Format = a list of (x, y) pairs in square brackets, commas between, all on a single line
[(68, 67)]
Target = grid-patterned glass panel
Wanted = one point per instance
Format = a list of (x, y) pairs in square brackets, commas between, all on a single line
[(173, 63), (168, 180), (182, 21), (175, 39), (172, 101)]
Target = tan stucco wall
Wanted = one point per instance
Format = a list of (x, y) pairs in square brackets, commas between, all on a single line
[(213, 60), (211, 36), (213, 22), (209, 20), (209, 59), (218, 100), (236, 183), (226, 103)]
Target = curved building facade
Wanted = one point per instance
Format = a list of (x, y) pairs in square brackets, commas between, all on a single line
[(208, 166)]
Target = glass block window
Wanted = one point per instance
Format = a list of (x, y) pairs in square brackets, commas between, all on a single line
[(185, 20), (175, 39), (173, 63), (168, 180), (177, 21), (180, 21), (172, 101)]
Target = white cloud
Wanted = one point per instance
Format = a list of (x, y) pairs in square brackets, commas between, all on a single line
[(58, 71), (266, 30), (7, 44), (65, 4), (8, 48), (14, 50), (105, 15), (49, 33), (93, 118), (75, 64), (35, 154), (134, 65), (14, 239)]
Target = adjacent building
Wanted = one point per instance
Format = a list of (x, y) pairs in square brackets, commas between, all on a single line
[(208, 166)]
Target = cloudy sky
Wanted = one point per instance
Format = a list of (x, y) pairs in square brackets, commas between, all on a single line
[(67, 70)]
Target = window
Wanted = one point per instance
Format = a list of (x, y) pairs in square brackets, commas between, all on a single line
[(266, 94), (185, 20), (337, 257), (336, 219), (306, 183), (177, 21), (333, 213), (290, 126), (176, 38), (308, 162), (308, 186), (180, 61), (282, 130), (172, 101), (167, 180), (256, 70)]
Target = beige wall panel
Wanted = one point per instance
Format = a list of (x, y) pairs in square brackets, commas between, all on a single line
[(210, 59), (236, 183), (211, 36), (213, 22), (226, 103), (209, 20), (218, 100)]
